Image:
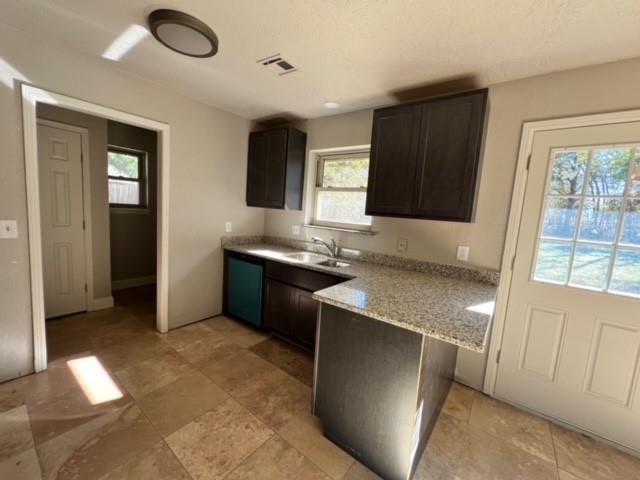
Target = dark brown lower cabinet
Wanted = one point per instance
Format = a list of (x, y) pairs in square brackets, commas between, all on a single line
[(289, 308)]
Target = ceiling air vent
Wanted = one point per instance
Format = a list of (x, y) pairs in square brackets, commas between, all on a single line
[(277, 65)]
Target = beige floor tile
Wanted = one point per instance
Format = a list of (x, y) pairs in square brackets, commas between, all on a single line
[(564, 475), (15, 433), (176, 404), (63, 348), (236, 331), (98, 446), (470, 453), (304, 432), (12, 394), (53, 382), (277, 460), (217, 442), (459, 402), (157, 463), (295, 361), (236, 369), (149, 375), (54, 416), (360, 472), (523, 430), (280, 398), (137, 348), (431, 470), (592, 460), (24, 466), (183, 336), (208, 348)]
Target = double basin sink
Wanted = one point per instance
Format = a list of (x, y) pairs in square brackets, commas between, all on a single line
[(315, 259)]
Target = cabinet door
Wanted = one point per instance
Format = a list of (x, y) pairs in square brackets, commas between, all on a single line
[(278, 308), (276, 169), (448, 157), (392, 167), (305, 318), (257, 168)]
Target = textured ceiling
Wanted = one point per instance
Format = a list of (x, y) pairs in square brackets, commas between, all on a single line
[(359, 53)]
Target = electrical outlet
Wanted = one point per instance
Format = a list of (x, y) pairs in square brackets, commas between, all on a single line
[(295, 229), (403, 244), (8, 229), (463, 253), (227, 227)]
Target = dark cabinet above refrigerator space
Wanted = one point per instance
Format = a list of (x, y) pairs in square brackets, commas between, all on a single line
[(425, 158)]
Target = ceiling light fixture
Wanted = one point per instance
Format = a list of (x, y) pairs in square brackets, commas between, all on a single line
[(331, 104), (183, 33)]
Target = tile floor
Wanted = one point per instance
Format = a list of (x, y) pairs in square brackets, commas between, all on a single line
[(217, 399)]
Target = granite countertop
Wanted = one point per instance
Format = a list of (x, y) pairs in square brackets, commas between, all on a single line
[(451, 309)]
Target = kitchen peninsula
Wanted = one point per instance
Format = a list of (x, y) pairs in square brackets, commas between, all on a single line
[(385, 349)]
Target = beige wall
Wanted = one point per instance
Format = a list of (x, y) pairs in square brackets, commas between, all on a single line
[(99, 209), (587, 90), (133, 233), (207, 181)]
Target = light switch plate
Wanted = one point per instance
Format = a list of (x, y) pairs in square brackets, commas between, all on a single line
[(227, 227), (403, 244), (463, 253), (295, 229), (8, 229)]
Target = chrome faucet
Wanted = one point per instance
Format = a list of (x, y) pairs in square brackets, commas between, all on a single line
[(332, 247)]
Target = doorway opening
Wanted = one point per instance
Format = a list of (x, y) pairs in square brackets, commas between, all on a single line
[(62, 214)]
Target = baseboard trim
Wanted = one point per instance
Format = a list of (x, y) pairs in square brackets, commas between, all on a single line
[(133, 282), (100, 303)]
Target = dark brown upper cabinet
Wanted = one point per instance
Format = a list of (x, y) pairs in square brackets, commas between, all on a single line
[(425, 158), (275, 169)]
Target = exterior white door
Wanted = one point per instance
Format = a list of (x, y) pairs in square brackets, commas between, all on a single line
[(61, 213), (571, 343)]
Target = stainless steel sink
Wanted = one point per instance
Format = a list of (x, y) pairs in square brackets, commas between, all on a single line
[(305, 257), (332, 262)]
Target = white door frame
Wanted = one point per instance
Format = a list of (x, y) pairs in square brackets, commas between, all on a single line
[(529, 130), (86, 209), (31, 96)]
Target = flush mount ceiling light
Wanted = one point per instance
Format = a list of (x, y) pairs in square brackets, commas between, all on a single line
[(183, 33), (331, 104)]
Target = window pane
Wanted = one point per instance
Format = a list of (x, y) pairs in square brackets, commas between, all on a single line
[(590, 266), (609, 171), (124, 192), (345, 172), (600, 219), (567, 176), (630, 234), (626, 272), (123, 165), (553, 262), (342, 207), (561, 217)]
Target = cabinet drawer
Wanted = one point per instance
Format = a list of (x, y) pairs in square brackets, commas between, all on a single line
[(300, 277)]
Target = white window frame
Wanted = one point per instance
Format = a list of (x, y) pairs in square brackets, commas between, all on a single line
[(351, 155), (143, 206), (575, 242)]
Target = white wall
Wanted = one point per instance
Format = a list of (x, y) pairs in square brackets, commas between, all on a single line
[(208, 168)]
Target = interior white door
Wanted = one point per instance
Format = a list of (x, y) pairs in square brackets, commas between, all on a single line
[(61, 213), (571, 344)]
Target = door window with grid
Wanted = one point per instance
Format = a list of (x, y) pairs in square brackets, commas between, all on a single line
[(341, 191), (590, 232), (127, 178)]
